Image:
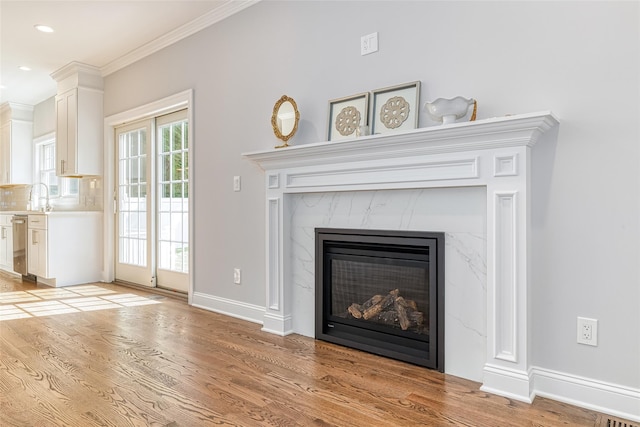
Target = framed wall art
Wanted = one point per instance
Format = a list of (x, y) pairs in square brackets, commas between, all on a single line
[(346, 116), (395, 108)]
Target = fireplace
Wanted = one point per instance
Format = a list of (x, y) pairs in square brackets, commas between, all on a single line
[(498, 154), (382, 292)]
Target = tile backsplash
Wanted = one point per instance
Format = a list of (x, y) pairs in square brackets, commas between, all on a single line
[(14, 197), (90, 194)]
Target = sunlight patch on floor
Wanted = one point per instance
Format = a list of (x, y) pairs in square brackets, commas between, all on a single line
[(75, 299)]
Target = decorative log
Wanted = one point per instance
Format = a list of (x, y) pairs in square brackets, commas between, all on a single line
[(372, 301), (400, 306), (355, 310), (384, 303), (416, 317), (387, 318), (392, 310)]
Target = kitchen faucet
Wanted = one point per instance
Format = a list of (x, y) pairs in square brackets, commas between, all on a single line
[(47, 207)]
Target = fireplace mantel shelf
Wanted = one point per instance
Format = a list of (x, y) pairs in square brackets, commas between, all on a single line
[(495, 153), (508, 131)]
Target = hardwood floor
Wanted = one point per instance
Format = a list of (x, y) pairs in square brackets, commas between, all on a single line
[(169, 364)]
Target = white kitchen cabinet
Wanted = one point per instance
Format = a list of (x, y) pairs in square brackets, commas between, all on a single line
[(6, 243), (16, 144), (79, 121), (37, 246), (65, 248), (79, 132)]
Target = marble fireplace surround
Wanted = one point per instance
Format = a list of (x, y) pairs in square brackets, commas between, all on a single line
[(493, 155)]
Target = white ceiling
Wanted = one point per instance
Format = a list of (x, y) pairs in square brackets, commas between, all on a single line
[(105, 34)]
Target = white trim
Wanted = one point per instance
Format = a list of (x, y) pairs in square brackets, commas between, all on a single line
[(165, 105), (600, 396), (505, 324), (227, 9), (44, 138), (504, 381), (239, 310)]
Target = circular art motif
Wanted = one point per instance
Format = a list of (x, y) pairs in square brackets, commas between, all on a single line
[(394, 112), (348, 120)]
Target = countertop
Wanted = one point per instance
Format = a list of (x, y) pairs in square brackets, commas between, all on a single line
[(54, 212)]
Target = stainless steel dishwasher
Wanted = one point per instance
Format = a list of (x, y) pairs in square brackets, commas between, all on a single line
[(20, 244)]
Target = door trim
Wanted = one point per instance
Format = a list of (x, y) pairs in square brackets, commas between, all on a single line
[(162, 106)]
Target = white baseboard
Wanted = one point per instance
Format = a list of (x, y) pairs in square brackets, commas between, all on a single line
[(240, 310), (611, 399), (511, 383)]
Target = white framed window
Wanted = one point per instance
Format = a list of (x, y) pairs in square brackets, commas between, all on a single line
[(45, 171)]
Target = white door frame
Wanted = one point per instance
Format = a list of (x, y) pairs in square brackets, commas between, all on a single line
[(162, 106)]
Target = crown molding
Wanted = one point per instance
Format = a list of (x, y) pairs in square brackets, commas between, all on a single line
[(230, 7)]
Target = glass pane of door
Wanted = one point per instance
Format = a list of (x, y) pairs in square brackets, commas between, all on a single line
[(133, 261), (173, 201)]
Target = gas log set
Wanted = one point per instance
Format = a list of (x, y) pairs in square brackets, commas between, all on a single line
[(392, 310)]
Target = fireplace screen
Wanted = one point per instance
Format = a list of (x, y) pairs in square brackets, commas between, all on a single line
[(366, 290), (382, 292)]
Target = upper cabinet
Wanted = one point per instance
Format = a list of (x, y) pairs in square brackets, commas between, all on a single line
[(79, 120), (16, 144)]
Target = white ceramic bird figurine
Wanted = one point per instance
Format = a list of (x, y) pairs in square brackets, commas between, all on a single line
[(449, 110)]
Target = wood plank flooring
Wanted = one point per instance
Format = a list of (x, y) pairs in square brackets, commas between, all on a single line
[(170, 364)]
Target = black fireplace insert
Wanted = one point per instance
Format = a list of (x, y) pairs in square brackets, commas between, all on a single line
[(382, 292)]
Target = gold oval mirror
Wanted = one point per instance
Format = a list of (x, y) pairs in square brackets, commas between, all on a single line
[(285, 119)]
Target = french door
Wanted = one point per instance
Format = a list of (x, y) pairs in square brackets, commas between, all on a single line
[(152, 218)]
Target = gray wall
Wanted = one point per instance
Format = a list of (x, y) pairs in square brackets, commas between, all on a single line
[(44, 117), (578, 59)]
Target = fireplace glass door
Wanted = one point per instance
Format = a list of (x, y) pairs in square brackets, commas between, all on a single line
[(381, 292)]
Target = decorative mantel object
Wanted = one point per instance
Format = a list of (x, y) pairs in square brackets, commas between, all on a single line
[(347, 116), (492, 153), (395, 108), (284, 119), (449, 110)]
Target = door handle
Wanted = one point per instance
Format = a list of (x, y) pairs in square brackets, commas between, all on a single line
[(34, 237), (4, 232)]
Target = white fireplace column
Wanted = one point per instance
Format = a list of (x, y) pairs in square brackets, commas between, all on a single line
[(493, 153)]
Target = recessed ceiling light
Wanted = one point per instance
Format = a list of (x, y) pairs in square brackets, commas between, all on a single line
[(24, 68), (44, 28)]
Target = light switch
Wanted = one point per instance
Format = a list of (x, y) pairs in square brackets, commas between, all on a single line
[(369, 44)]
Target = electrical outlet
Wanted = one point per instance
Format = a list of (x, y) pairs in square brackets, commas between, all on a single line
[(236, 276), (587, 331), (236, 183)]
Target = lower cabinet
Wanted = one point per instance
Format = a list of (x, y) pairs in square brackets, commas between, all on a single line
[(6, 243), (65, 248), (37, 246)]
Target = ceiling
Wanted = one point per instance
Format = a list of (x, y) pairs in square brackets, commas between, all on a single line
[(105, 34)]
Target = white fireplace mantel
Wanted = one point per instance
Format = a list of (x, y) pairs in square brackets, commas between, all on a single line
[(492, 153)]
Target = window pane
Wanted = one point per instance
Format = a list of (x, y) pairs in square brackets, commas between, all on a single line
[(177, 167), (133, 144), (166, 192), (143, 143), (165, 226), (177, 190), (166, 140), (177, 137)]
